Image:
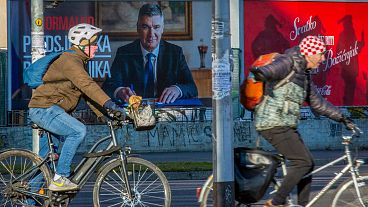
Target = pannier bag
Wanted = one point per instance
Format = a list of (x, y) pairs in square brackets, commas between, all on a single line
[(254, 170)]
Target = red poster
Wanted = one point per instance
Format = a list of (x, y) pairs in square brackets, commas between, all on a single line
[(274, 26)]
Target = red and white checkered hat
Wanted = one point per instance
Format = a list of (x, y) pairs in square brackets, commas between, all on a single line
[(312, 45)]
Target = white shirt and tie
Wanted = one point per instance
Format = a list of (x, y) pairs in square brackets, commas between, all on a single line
[(155, 53)]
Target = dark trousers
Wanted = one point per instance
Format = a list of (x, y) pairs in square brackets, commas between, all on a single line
[(288, 142)]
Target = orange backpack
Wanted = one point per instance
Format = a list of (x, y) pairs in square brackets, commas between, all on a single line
[(251, 91)]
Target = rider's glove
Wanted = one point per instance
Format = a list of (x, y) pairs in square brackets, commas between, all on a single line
[(348, 122), (102, 119), (258, 75), (114, 111)]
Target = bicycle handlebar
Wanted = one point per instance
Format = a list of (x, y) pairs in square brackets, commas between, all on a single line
[(356, 131)]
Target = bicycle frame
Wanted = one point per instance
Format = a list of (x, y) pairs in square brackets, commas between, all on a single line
[(88, 165), (350, 166)]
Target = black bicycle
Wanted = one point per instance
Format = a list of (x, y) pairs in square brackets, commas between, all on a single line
[(256, 165), (122, 179)]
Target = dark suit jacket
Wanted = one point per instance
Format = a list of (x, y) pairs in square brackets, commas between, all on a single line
[(128, 70)]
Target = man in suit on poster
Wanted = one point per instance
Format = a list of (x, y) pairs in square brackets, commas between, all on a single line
[(150, 67)]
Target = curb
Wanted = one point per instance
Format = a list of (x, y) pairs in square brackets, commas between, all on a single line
[(203, 175), (190, 175)]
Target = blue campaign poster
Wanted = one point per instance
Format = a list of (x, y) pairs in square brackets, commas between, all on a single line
[(57, 22)]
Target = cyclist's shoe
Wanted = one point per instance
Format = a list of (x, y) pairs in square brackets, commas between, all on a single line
[(269, 204), (63, 184)]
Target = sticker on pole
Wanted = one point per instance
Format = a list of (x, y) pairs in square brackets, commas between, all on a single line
[(217, 29), (38, 22), (37, 39), (221, 79)]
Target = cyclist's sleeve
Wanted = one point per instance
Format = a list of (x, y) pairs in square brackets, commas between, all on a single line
[(277, 70), (321, 106)]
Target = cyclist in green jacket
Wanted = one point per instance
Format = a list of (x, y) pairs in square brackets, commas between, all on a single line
[(277, 116)]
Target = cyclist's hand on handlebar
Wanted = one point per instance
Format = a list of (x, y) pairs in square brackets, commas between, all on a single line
[(114, 111), (348, 123)]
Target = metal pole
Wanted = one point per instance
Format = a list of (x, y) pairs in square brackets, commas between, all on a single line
[(223, 164), (38, 50), (8, 72)]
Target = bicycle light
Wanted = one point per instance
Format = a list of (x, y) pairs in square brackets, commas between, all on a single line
[(198, 192)]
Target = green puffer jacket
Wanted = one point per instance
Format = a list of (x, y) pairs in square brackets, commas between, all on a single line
[(281, 108)]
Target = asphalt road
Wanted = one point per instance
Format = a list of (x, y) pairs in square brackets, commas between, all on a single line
[(184, 191)]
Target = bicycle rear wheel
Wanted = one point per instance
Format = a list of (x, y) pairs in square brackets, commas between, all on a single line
[(22, 183), (148, 184), (347, 196)]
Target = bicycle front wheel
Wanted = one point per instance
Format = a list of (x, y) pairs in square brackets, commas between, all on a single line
[(206, 197), (347, 195), (22, 183), (148, 184)]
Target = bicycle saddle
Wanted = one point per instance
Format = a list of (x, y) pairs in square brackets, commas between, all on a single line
[(40, 129), (280, 158), (35, 126)]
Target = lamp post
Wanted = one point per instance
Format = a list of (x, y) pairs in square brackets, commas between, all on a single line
[(38, 51), (223, 163)]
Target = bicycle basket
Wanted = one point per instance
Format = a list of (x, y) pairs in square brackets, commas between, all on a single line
[(143, 117), (254, 170)]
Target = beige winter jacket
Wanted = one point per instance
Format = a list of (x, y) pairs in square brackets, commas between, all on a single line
[(65, 82)]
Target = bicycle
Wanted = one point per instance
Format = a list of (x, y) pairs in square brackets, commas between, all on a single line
[(351, 192), (122, 179)]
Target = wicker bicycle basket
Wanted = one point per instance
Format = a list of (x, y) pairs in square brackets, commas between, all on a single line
[(143, 117)]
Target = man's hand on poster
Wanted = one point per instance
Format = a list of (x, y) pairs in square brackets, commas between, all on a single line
[(124, 93), (169, 95)]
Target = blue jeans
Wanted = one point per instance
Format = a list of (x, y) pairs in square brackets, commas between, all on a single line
[(62, 126)]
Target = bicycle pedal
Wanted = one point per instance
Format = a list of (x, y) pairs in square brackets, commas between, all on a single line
[(60, 198), (64, 193)]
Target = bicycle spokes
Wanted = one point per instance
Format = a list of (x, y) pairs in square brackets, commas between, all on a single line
[(148, 186), (22, 181)]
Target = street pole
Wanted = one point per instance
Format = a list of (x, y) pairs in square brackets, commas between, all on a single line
[(38, 51), (223, 164)]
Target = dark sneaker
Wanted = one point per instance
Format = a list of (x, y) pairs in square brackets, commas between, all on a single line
[(63, 184)]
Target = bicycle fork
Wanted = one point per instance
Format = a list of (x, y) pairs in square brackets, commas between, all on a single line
[(124, 172), (354, 172), (124, 164), (351, 166)]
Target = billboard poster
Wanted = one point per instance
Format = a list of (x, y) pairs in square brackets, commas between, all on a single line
[(57, 22), (273, 26), (117, 20)]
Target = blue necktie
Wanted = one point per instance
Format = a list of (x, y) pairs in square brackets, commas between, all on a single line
[(149, 77)]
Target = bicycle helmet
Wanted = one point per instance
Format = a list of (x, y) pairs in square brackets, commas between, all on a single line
[(82, 32)]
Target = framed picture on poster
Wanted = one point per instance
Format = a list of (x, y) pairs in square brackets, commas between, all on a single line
[(119, 19)]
